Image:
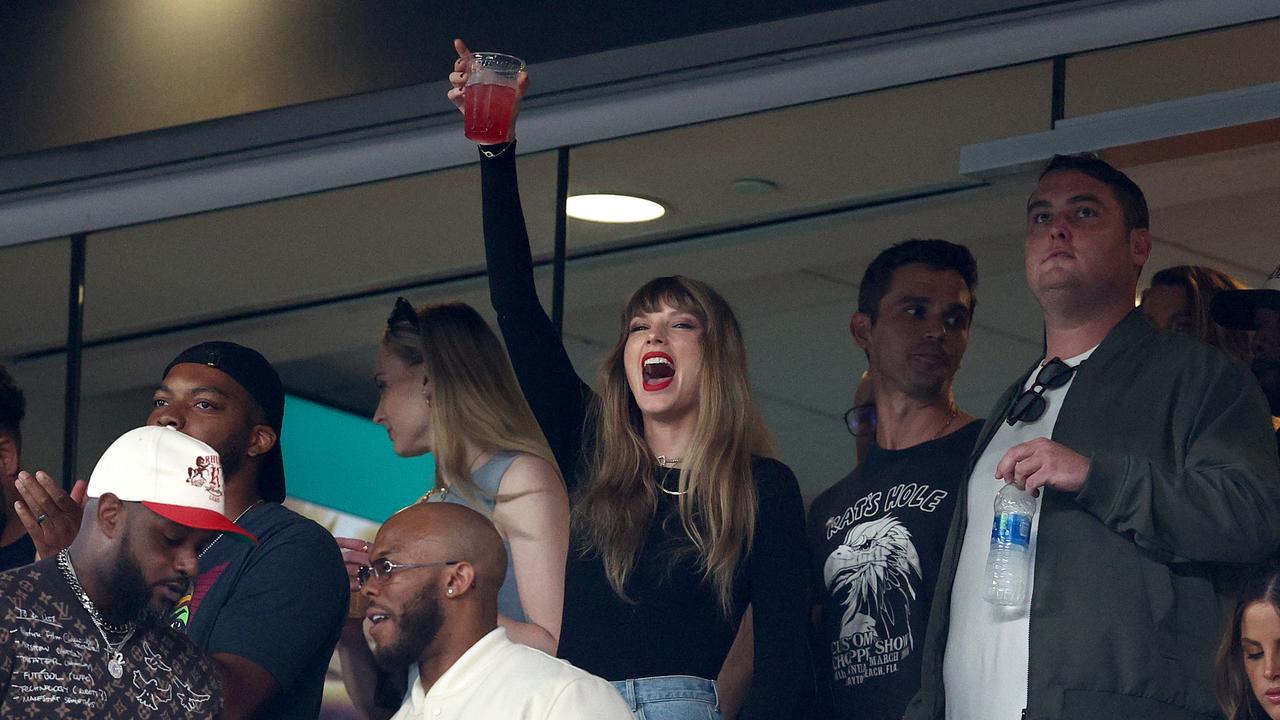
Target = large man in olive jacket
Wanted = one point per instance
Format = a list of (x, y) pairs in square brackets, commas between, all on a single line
[(1156, 472)]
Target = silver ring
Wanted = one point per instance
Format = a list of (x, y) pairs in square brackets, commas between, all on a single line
[(41, 518), (366, 546)]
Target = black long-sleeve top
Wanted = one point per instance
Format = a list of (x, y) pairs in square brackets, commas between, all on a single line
[(674, 625)]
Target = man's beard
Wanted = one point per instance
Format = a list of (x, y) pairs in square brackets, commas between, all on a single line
[(130, 595), (418, 625)]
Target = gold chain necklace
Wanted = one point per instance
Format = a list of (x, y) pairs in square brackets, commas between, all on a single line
[(955, 410), (441, 490), (667, 464)]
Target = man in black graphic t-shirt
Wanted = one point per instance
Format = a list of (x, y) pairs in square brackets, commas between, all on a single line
[(876, 536)]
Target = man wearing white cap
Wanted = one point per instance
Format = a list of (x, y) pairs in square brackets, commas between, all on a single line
[(83, 633)]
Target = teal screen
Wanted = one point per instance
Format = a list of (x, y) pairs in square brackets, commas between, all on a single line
[(345, 462)]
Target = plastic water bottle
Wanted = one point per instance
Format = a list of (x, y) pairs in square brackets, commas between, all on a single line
[(1009, 560)]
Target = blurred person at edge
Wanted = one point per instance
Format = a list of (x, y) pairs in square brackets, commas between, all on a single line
[(269, 614), (1258, 310), (1155, 473), (432, 587), (16, 547), (445, 386), (1246, 676), (876, 537), (1179, 299), (687, 536)]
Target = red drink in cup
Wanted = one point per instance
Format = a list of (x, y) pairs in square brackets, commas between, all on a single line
[(489, 109), (490, 102)]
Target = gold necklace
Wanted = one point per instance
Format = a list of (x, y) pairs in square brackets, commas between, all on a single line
[(667, 463), (955, 410), (440, 490)]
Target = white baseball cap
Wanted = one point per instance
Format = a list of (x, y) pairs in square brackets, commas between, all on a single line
[(173, 474)]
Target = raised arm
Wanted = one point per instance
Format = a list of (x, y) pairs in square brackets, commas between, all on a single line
[(557, 395)]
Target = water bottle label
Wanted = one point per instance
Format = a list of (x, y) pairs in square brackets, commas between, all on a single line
[(1011, 529)]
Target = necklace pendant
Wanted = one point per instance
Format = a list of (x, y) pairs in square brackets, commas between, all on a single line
[(115, 666)]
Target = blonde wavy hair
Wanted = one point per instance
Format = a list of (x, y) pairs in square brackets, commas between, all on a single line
[(1200, 285), (476, 395), (615, 504)]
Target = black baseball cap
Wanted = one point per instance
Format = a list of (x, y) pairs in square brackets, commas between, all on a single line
[(1235, 308), (252, 371)]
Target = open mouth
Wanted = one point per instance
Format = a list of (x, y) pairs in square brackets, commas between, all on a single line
[(658, 371)]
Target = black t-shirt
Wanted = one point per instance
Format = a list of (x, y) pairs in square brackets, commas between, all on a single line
[(279, 604), (53, 661), (875, 539), (17, 553), (673, 624)]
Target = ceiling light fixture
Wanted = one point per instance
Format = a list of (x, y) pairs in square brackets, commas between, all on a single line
[(605, 208), (753, 186)]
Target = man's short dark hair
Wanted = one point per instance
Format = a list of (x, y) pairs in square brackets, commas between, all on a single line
[(13, 407), (1127, 192), (935, 254)]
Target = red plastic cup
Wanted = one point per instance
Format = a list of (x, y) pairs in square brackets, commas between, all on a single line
[(490, 102)]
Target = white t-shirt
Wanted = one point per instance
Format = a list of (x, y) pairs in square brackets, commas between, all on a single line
[(984, 669), (497, 678)]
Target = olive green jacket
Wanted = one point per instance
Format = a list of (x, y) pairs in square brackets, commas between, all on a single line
[(1129, 576)]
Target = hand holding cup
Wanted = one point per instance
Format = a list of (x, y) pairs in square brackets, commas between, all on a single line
[(487, 88)]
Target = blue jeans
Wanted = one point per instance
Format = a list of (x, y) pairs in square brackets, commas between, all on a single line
[(671, 697)]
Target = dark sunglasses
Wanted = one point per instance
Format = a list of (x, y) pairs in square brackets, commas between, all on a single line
[(1031, 404), (403, 312), (860, 420)]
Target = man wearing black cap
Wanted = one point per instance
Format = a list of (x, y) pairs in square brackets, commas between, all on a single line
[(1258, 310), (269, 614)]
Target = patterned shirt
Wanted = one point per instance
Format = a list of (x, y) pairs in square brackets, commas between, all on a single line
[(53, 660)]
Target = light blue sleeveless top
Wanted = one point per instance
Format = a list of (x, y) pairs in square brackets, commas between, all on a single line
[(489, 478)]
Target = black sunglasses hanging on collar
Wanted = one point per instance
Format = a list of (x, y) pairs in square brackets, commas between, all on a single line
[(1031, 404)]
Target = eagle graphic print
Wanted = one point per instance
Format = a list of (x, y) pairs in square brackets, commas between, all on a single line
[(873, 574)]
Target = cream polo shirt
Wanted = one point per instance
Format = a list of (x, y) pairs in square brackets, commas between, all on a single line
[(497, 679)]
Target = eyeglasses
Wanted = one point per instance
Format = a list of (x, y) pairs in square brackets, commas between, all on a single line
[(403, 312), (382, 569), (1030, 404), (860, 420)]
